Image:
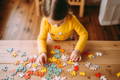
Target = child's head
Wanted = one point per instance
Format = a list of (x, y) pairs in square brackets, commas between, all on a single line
[(55, 10)]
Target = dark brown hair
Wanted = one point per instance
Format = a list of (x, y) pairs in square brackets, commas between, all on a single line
[(56, 9)]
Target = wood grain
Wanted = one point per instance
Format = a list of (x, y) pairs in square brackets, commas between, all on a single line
[(18, 21), (109, 62)]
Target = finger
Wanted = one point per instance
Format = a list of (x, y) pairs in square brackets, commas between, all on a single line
[(45, 60), (80, 58), (41, 61), (70, 57), (76, 59), (73, 58)]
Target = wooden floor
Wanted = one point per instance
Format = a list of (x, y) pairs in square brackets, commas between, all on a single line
[(109, 63), (18, 20)]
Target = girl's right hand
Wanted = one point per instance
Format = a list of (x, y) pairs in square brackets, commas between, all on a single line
[(42, 58)]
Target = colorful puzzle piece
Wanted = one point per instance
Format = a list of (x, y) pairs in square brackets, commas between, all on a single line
[(90, 56), (70, 62), (98, 75), (14, 54), (76, 68), (99, 54), (103, 77), (82, 73), (118, 74), (9, 50), (73, 73)]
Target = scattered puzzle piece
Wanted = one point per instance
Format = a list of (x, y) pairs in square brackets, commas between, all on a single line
[(64, 57), (57, 47), (62, 50), (21, 75), (25, 59), (82, 74), (73, 73), (23, 54), (57, 56), (98, 75), (27, 76), (32, 60), (52, 52), (76, 68), (43, 69), (34, 65), (98, 54), (92, 66), (76, 63), (118, 74), (59, 78), (14, 54), (4, 68), (90, 56), (17, 62), (70, 62), (103, 78), (9, 50), (88, 64)]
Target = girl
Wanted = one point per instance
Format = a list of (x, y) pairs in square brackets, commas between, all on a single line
[(60, 25)]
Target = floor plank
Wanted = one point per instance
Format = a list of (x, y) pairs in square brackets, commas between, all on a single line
[(18, 21)]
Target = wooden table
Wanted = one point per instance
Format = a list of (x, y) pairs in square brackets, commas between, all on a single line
[(109, 62)]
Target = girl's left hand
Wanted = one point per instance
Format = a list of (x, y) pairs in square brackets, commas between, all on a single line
[(75, 56)]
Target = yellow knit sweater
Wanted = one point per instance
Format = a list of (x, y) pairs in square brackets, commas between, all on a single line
[(62, 32)]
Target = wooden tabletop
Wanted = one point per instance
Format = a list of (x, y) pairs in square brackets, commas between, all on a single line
[(109, 62)]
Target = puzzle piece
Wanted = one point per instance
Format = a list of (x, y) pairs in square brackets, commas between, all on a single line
[(34, 69), (29, 65), (99, 54), (8, 78), (64, 64), (57, 51), (62, 50), (92, 66), (57, 56), (76, 63), (82, 73), (98, 75), (4, 68), (59, 78), (10, 50), (57, 47), (17, 62), (76, 68), (25, 59), (29, 72), (21, 75), (25, 63), (70, 62), (90, 56), (32, 60), (118, 74), (88, 64), (52, 52), (43, 69), (73, 73), (34, 65), (27, 76), (64, 57), (14, 54), (23, 54), (60, 65), (103, 78)]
